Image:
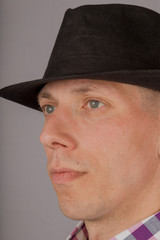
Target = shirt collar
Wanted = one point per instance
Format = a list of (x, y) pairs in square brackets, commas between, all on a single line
[(149, 228)]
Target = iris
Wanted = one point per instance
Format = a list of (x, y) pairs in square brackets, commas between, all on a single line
[(95, 104), (49, 109)]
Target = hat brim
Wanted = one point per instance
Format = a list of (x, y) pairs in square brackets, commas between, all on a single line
[(26, 93)]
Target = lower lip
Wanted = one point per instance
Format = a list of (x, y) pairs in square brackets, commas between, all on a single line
[(64, 177)]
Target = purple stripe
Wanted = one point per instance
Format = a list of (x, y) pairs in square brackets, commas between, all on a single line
[(85, 231), (74, 232), (158, 216), (74, 238), (142, 233)]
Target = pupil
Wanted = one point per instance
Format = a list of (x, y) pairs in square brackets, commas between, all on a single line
[(50, 109), (94, 103)]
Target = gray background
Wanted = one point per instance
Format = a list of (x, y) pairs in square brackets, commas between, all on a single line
[(28, 204)]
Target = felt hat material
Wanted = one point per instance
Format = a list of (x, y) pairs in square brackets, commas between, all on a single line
[(114, 42)]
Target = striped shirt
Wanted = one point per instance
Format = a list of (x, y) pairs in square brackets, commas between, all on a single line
[(147, 229)]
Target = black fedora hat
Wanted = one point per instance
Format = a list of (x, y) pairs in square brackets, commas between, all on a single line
[(114, 42)]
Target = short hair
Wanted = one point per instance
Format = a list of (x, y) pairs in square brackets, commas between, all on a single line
[(150, 100)]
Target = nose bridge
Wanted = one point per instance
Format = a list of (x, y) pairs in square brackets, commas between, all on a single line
[(57, 131)]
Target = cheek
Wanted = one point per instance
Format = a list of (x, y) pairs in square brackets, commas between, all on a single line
[(118, 148), (103, 143), (102, 137)]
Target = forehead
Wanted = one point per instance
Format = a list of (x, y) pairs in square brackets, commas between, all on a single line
[(82, 86)]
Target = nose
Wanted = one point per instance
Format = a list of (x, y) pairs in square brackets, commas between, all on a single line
[(58, 133)]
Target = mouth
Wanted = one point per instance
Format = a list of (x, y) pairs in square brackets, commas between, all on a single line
[(64, 175)]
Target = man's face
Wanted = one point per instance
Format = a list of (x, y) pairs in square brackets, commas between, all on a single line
[(101, 146)]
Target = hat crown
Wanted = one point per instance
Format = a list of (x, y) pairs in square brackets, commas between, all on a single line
[(114, 42), (105, 38)]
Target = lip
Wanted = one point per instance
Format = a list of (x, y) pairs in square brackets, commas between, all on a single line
[(64, 175)]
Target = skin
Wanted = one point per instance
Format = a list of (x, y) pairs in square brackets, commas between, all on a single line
[(115, 148)]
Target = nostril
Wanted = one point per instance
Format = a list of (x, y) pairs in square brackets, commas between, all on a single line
[(58, 145)]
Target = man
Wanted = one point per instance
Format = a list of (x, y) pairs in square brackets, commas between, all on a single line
[(101, 102)]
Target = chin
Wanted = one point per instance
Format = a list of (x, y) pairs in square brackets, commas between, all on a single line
[(76, 210), (70, 210)]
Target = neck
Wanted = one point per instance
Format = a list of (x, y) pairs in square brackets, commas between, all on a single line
[(128, 213), (115, 223)]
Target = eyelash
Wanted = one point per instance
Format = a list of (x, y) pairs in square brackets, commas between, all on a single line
[(44, 107), (86, 102), (95, 100)]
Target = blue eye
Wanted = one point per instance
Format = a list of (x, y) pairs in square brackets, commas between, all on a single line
[(48, 109), (94, 104)]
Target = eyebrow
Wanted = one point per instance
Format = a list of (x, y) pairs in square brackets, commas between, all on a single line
[(80, 90), (83, 89), (45, 95)]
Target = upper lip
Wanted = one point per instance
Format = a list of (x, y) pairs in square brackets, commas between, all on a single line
[(62, 170)]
